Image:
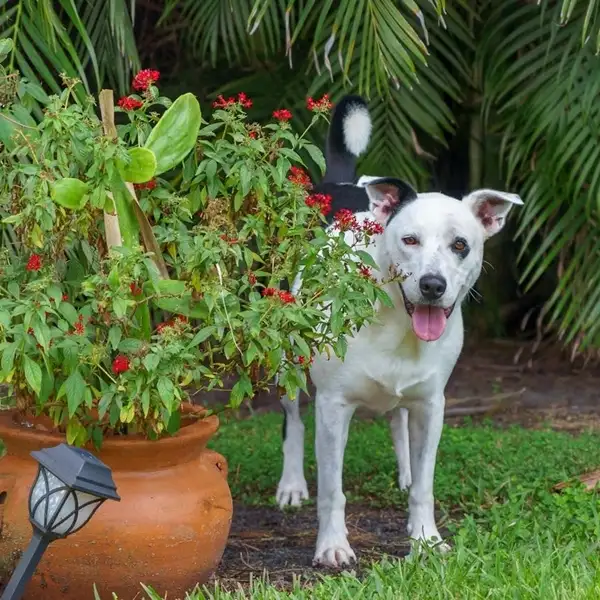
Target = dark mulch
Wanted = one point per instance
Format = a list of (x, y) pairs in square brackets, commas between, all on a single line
[(282, 543)]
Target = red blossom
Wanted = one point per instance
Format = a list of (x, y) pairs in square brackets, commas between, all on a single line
[(79, 326), (129, 103), (177, 320), (30, 331), (244, 100), (302, 360), (251, 278), (345, 220), (34, 263), (322, 201), (65, 298), (144, 79), (372, 227), (282, 115), (299, 176), (287, 297), (221, 102), (268, 292), (120, 365), (322, 105), (365, 271), (135, 289), (253, 134), (148, 185), (229, 240)]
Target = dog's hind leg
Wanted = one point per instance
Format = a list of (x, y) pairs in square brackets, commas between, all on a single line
[(399, 427), (292, 487)]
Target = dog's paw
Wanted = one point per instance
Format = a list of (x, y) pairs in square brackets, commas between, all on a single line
[(291, 492), (404, 480), (337, 554)]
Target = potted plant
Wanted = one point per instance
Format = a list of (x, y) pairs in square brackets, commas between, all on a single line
[(105, 229)]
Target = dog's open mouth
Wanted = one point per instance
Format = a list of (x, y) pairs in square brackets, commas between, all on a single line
[(428, 321)]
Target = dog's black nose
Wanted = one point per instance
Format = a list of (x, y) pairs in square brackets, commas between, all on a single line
[(432, 286)]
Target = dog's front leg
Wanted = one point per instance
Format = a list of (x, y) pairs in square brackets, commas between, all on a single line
[(425, 423), (333, 417)]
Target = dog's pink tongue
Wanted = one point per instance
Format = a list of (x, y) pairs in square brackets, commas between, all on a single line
[(428, 322)]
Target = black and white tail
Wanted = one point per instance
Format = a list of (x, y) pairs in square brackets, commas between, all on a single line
[(348, 138)]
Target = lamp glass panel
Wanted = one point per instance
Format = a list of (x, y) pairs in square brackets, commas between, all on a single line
[(74, 515), (51, 491)]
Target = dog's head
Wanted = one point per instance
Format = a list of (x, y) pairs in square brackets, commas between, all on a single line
[(437, 242)]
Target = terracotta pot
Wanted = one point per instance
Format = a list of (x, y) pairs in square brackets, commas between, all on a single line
[(169, 530)]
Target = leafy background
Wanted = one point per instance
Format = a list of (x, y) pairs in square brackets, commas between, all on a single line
[(464, 93)]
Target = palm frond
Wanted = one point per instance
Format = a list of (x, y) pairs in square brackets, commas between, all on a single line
[(541, 89), (83, 39)]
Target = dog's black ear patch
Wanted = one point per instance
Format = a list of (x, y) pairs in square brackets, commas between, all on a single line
[(388, 196), (344, 196)]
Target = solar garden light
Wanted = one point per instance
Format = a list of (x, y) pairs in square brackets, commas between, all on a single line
[(70, 486)]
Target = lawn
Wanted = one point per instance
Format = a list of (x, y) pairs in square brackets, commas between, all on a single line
[(512, 536)]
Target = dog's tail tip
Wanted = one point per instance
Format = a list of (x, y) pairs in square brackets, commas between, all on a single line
[(353, 121)]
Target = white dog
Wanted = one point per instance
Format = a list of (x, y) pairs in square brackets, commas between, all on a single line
[(401, 363)]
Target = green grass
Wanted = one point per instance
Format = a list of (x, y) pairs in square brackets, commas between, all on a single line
[(518, 540)]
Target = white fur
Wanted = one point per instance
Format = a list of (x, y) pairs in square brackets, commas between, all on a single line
[(357, 129), (388, 368)]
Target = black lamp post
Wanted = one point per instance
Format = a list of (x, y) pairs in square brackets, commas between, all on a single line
[(70, 486)]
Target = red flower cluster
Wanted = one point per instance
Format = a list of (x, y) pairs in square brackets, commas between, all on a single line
[(253, 134), (282, 114), (120, 365), (148, 185), (130, 103), (321, 201), (372, 227), (302, 360), (285, 297), (144, 79), (322, 105), (65, 298), (242, 99), (34, 263), (177, 320), (345, 220), (79, 326), (300, 177)]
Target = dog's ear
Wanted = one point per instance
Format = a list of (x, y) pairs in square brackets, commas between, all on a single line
[(491, 208), (386, 196)]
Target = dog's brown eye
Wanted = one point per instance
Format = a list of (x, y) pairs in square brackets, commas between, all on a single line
[(459, 245), (410, 240)]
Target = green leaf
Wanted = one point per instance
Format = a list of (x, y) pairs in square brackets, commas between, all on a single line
[(166, 391), (175, 135), (8, 357), (114, 336), (241, 390), (75, 387), (69, 193), (141, 167), (33, 374), (317, 156), (151, 362), (202, 335)]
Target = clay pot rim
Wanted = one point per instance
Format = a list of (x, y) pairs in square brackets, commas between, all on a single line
[(198, 428)]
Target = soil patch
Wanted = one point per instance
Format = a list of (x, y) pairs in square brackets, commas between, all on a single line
[(281, 544)]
